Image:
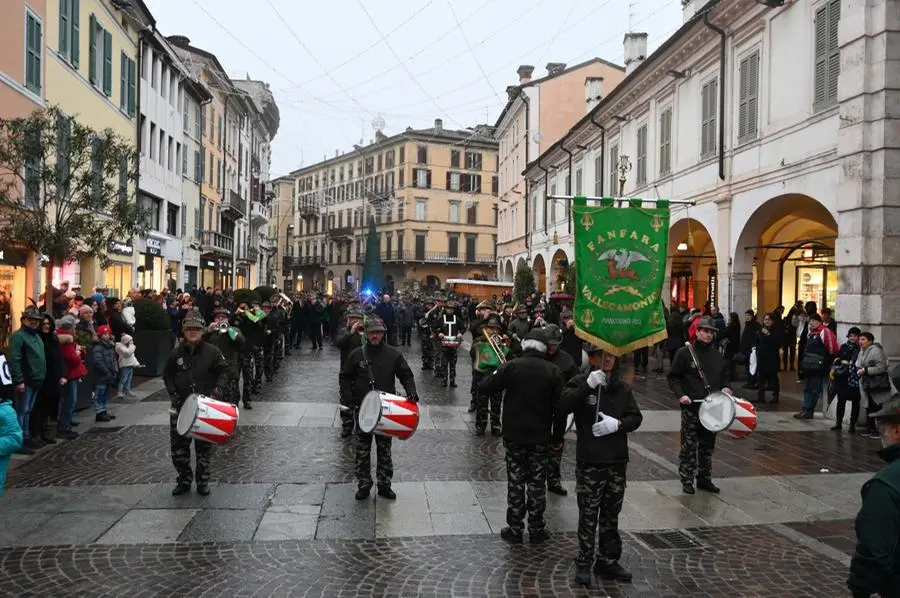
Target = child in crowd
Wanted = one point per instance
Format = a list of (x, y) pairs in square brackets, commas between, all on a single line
[(10, 432), (127, 363), (106, 365)]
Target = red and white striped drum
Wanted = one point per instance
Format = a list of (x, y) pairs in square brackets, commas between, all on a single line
[(745, 419), (205, 418), (388, 415), (451, 342)]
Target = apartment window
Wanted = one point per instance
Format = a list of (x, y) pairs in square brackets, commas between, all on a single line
[(180, 150), (401, 209), (613, 170), (100, 53), (162, 147), (402, 154), (665, 142), (389, 181), (641, 177), (401, 178), (127, 85), (471, 183), (454, 181), (470, 247), (218, 174), (598, 175), (420, 246), (370, 165), (453, 245), (171, 220), (198, 167), (212, 169), (495, 185), (198, 124), (578, 183), (473, 160), (454, 212), (454, 158), (186, 119), (380, 162), (33, 162), (827, 55), (69, 16), (748, 98), (33, 43), (422, 154), (421, 209), (152, 141), (708, 99), (219, 141), (389, 159), (212, 124), (472, 213), (422, 178), (553, 204)]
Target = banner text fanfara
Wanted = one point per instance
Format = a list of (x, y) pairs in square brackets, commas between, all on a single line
[(624, 234), (633, 306)]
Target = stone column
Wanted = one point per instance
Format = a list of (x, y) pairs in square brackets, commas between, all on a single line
[(868, 246), (741, 292), (727, 299)]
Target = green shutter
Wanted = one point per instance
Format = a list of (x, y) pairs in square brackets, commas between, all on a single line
[(92, 50), (65, 30), (132, 87), (74, 40), (107, 63), (123, 83)]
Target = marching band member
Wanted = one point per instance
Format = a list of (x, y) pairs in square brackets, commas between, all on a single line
[(533, 387), (424, 312), (566, 365), (605, 412), (194, 366), (482, 311), (374, 366), (249, 320), (484, 400), (571, 344), (687, 382), (230, 342), (349, 338), (518, 328), (435, 322), (451, 327)]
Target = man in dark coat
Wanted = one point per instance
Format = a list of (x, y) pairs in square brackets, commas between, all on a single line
[(605, 412), (567, 366), (766, 344), (571, 344), (315, 313), (533, 387), (348, 338), (875, 567)]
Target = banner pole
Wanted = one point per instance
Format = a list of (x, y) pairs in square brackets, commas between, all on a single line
[(680, 202)]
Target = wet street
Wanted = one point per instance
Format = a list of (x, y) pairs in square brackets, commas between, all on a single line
[(95, 516)]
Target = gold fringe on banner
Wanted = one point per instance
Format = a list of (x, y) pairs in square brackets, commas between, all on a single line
[(625, 349)]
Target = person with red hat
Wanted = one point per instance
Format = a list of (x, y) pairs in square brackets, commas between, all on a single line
[(106, 366)]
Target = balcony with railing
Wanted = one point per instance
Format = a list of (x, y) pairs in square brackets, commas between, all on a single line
[(432, 257), (344, 232), (234, 206), (217, 243), (259, 213), (290, 262), (308, 208)]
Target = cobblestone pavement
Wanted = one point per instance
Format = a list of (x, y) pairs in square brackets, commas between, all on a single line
[(95, 517)]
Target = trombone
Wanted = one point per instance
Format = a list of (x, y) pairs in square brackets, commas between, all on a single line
[(496, 344), (423, 321)]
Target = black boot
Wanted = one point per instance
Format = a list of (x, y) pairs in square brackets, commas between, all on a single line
[(203, 489), (708, 486), (181, 489), (615, 572), (557, 489), (479, 430), (510, 536), (583, 575), (538, 537), (386, 492), (687, 488), (472, 407), (363, 492), (452, 383)]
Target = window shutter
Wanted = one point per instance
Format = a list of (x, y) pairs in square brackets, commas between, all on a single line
[(477, 183), (820, 77), (107, 63), (753, 96), (428, 179), (74, 40), (92, 50), (64, 28), (449, 175), (123, 83), (834, 50), (132, 87), (742, 98)]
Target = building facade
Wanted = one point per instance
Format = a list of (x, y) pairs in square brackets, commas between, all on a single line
[(431, 194), (793, 180), (538, 112), (280, 225)]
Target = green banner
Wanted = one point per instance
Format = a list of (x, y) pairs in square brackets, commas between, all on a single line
[(620, 262)]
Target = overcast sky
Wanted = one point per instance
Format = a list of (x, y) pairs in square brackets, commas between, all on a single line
[(333, 71)]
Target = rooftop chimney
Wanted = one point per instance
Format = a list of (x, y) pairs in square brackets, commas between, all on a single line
[(688, 9), (511, 92), (525, 71), (555, 68), (593, 91), (179, 40), (635, 50), (438, 124)]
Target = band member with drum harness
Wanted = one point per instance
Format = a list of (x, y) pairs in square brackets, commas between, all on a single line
[(423, 315), (450, 336), (605, 412), (533, 388), (697, 371), (349, 338), (374, 366), (567, 366), (488, 353), (230, 342), (194, 366), (435, 322)]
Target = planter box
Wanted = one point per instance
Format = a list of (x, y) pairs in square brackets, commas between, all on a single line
[(152, 348)]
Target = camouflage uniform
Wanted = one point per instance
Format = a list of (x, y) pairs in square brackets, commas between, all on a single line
[(601, 492), (258, 367), (525, 470), (181, 453), (427, 348), (486, 403), (384, 465), (697, 445), (449, 355), (247, 358)]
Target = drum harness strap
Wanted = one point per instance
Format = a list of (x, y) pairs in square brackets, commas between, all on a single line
[(690, 348)]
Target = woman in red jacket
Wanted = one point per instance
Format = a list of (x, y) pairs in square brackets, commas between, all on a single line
[(75, 370)]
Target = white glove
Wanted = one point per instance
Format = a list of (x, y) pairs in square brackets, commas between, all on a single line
[(607, 425), (596, 378)]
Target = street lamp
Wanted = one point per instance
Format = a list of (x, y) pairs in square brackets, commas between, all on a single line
[(623, 168)]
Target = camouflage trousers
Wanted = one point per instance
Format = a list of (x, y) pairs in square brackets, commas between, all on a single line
[(427, 350), (438, 353), (526, 464), (485, 403), (697, 446), (232, 391), (601, 492), (258, 356), (554, 465), (247, 373), (449, 356), (269, 361), (277, 352), (181, 453), (384, 465)]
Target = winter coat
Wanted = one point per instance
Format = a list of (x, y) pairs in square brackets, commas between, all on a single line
[(850, 378), (56, 368), (383, 363), (533, 388), (125, 350), (191, 369), (616, 400), (230, 344), (74, 365), (388, 315), (10, 437), (684, 377), (315, 313), (731, 338), (405, 315), (676, 331), (875, 566), (748, 338), (86, 333), (128, 315), (571, 344), (119, 325), (767, 344), (106, 364), (875, 362), (27, 363), (347, 342)]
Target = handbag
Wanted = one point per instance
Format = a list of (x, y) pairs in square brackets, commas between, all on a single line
[(812, 363), (754, 360), (876, 383)]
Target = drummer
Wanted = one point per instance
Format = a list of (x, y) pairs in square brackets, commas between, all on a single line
[(374, 366), (194, 366), (451, 327), (686, 381)]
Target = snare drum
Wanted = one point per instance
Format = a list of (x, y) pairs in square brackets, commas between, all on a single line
[(717, 412), (205, 418), (388, 415), (745, 419), (451, 342)]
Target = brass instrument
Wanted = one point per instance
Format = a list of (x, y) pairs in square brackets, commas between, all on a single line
[(285, 303), (496, 343), (490, 354), (423, 321)]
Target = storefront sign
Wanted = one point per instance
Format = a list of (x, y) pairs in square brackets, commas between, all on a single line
[(154, 251), (120, 248), (154, 243), (13, 257), (209, 264)]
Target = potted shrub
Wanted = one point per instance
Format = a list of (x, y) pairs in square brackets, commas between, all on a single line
[(152, 336), (264, 292), (246, 296)]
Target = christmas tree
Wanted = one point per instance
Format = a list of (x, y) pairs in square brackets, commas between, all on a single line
[(371, 277)]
